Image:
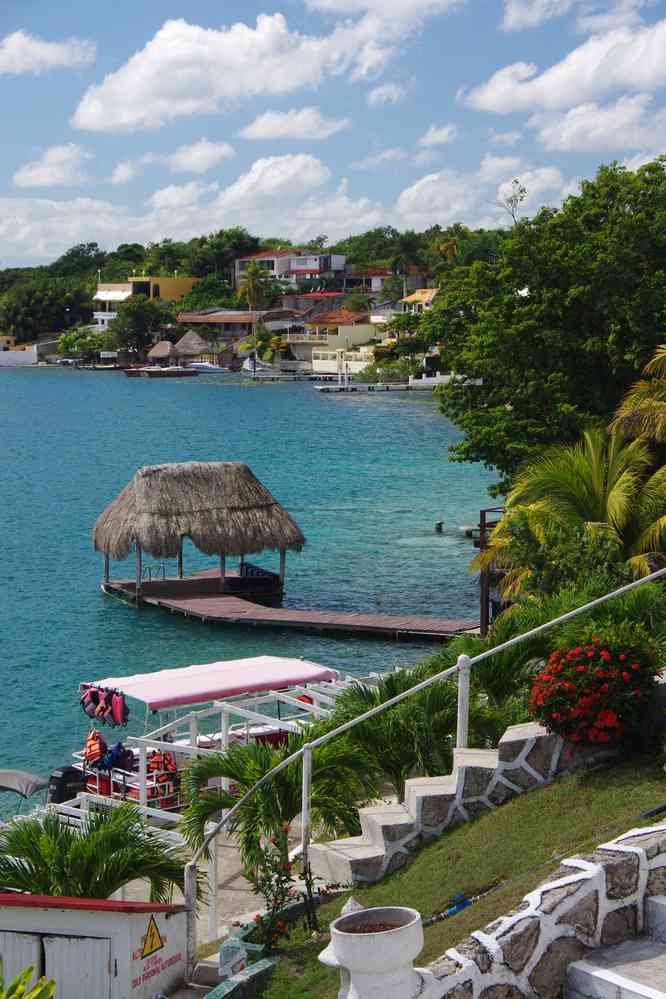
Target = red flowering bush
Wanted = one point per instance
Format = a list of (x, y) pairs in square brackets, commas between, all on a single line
[(595, 693)]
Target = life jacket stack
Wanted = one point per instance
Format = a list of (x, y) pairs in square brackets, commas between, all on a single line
[(167, 781), (105, 705), (94, 749)]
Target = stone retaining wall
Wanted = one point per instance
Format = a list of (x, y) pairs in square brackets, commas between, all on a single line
[(590, 901)]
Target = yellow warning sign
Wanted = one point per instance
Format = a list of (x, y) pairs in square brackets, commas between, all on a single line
[(152, 941)]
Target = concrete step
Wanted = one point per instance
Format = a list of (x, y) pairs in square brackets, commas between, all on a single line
[(655, 916), (346, 861), (485, 758), (635, 969), (386, 824), (429, 799)]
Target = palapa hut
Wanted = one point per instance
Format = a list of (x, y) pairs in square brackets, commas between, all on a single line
[(192, 345), (161, 352), (219, 505)]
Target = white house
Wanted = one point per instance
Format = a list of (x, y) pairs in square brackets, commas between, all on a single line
[(292, 266)]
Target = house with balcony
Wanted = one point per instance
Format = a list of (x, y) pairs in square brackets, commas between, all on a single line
[(419, 301), (238, 324), (330, 333), (110, 294), (292, 266)]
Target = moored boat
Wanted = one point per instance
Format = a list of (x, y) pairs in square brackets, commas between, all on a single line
[(173, 371)]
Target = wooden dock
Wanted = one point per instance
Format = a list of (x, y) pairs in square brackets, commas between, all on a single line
[(211, 608)]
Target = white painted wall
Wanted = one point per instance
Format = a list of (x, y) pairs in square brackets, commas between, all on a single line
[(18, 358)]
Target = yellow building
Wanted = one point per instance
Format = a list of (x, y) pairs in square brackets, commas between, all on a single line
[(109, 294)]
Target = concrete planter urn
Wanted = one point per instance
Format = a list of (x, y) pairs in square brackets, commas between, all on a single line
[(375, 950)]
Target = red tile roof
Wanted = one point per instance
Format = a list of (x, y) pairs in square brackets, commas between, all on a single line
[(270, 253), (343, 317)]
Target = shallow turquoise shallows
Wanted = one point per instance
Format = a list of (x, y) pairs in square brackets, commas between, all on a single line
[(366, 478)]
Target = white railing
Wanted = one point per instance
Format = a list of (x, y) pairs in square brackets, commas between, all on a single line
[(462, 668)]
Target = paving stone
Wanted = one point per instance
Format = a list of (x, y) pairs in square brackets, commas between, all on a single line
[(435, 809), (621, 872), (477, 780), (519, 943), (476, 952), (653, 844), (475, 808), (502, 992), (548, 976), (521, 778), (500, 793), (464, 991), (444, 966), (656, 882), (619, 925), (551, 899), (515, 739), (583, 916), (397, 861), (545, 751)]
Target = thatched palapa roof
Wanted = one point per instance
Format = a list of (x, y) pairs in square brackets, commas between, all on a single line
[(191, 345), (220, 505), (161, 351)]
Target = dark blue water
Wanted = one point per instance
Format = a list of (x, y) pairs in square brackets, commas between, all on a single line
[(366, 478)]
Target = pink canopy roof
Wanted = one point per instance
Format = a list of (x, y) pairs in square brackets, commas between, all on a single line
[(169, 688)]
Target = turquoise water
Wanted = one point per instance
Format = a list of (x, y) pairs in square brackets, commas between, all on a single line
[(366, 478)]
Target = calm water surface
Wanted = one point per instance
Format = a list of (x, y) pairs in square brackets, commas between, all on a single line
[(366, 478)]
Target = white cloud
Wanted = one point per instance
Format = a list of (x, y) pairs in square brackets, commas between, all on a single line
[(494, 168), (597, 17), (199, 157), (438, 135), (186, 69), (624, 58), (521, 14), (376, 160), (386, 93), (426, 157), (176, 197), (505, 138), (440, 197), (629, 123), (299, 123), (127, 170), (272, 178), (24, 53), (388, 11), (639, 160), (58, 166)]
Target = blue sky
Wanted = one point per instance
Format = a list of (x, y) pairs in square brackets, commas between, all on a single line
[(300, 117)]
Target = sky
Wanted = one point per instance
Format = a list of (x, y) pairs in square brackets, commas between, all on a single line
[(134, 121)]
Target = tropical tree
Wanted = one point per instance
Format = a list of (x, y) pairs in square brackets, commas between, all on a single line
[(450, 250), (601, 484), (342, 777), (643, 409), (253, 287), (108, 850), (138, 318), (20, 988), (408, 252)]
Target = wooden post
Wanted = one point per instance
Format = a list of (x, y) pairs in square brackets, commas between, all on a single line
[(106, 569), (180, 559), (283, 563), (241, 565), (223, 571), (139, 572)]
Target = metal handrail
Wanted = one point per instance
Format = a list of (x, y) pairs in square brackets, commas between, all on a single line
[(462, 667)]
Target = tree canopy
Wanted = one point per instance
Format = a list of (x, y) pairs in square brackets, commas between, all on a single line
[(560, 325)]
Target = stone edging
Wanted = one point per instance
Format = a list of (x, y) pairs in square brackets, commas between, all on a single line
[(589, 902)]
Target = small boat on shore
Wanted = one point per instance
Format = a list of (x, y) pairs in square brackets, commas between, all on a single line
[(174, 371), (206, 366)]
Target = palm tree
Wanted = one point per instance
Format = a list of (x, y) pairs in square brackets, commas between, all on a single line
[(450, 248), (20, 988), (643, 409), (408, 252), (342, 776), (602, 483), (108, 850), (253, 285)]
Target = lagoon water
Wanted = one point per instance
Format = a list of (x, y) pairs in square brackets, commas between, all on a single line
[(365, 477)]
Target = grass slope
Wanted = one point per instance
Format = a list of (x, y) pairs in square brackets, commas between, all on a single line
[(517, 845)]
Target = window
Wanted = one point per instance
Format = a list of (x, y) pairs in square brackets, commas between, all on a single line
[(156, 291)]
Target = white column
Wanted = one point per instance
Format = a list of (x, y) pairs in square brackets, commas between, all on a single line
[(194, 731), (212, 890), (143, 776), (464, 668), (305, 804)]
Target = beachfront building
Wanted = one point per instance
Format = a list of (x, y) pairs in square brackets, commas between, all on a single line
[(293, 266), (110, 294), (238, 324), (344, 363), (331, 332), (419, 301)]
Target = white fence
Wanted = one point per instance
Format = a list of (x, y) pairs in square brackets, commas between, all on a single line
[(18, 358)]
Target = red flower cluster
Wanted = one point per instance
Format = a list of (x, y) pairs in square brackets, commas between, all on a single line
[(592, 693)]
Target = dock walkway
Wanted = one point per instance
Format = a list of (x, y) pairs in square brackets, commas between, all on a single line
[(226, 609)]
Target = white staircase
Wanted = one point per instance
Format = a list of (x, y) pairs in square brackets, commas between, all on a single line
[(635, 969), (482, 779)]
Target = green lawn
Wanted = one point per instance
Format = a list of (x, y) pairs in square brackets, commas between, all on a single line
[(518, 845)]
